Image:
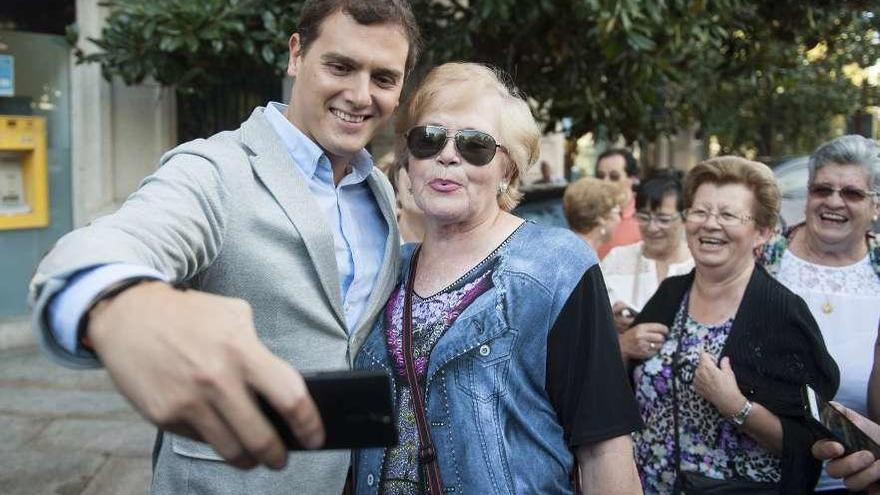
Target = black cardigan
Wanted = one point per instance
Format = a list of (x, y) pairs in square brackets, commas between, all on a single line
[(774, 348)]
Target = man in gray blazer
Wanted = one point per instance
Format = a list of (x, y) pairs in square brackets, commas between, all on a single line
[(284, 234)]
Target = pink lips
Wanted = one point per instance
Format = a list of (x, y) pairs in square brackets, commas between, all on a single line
[(441, 185)]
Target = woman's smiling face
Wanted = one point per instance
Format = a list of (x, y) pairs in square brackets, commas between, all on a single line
[(724, 247)]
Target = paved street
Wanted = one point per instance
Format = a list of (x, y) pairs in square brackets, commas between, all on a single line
[(67, 432)]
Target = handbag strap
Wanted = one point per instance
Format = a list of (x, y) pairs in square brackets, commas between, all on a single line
[(677, 488), (427, 454)]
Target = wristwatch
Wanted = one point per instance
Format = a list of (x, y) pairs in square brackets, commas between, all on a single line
[(739, 418)]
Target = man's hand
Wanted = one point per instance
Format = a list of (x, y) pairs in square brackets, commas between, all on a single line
[(190, 362), (623, 317), (643, 341), (859, 470)]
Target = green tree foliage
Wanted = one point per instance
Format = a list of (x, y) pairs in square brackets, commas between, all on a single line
[(631, 68), (785, 71)]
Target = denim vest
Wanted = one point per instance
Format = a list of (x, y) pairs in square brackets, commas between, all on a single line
[(494, 428)]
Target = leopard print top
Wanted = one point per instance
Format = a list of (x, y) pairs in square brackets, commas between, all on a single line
[(710, 444)]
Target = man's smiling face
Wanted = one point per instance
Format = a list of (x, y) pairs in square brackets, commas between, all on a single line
[(347, 84)]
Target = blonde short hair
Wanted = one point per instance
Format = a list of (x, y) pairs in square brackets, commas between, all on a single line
[(458, 83), (755, 176), (587, 201)]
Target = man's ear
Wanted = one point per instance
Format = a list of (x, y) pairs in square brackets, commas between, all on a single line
[(293, 61)]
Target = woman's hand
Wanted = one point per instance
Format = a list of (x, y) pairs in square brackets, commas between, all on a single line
[(718, 385), (623, 317), (643, 341)]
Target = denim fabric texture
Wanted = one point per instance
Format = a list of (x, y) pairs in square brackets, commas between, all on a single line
[(493, 425)]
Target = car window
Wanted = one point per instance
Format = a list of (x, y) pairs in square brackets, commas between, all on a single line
[(792, 178)]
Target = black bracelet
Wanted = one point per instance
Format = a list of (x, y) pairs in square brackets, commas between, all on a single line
[(108, 293)]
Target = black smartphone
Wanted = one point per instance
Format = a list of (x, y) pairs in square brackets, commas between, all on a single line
[(355, 407), (833, 425)]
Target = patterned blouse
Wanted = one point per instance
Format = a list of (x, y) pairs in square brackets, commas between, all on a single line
[(432, 316), (710, 444)]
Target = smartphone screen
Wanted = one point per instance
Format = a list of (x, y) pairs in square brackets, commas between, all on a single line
[(836, 426)]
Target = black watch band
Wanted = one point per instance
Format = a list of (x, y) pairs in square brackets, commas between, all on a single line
[(108, 293)]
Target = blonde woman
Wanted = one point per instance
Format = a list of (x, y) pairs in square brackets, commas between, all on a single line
[(592, 209), (499, 339)]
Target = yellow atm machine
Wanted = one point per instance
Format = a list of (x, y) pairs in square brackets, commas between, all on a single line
[(24, 189)]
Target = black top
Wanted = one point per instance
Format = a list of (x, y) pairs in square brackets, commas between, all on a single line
[(586, 380), (774, 347)]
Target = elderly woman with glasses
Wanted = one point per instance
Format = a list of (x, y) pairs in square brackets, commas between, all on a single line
[(720, 392), (832, 261), (633, 272), (499, 339)]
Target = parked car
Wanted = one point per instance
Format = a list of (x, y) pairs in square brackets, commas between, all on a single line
[(543, 205), (791, 176)]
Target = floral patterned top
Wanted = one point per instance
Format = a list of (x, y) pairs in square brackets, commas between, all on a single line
[(432, 316), (774, 250), (710, 444)]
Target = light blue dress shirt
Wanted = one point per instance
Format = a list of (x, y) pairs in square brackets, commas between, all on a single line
[(351, 210)]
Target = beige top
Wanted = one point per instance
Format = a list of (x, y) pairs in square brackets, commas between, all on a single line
[(632, 278)]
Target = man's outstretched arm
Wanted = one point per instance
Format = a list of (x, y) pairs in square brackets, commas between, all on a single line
[(190, 362)]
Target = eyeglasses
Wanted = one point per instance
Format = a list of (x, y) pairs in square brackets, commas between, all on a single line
[(724, 218), (477, 147), (662, 220), (612, 176), (849, 194)]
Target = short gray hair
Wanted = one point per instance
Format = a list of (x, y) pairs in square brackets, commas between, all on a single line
[(851, 149)]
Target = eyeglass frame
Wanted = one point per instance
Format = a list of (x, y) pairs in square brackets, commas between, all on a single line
[(868, 193), (741, 219), (655, 217)]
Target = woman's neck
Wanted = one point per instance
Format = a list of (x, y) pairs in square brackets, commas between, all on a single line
[(412, 226), (675, 254), (449, 251), (812, 249), (717, 293), (595, 237)]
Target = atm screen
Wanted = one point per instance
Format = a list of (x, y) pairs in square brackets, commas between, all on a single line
[(12, 195)]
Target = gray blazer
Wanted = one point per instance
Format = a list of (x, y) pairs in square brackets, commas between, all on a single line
[(232, 215)]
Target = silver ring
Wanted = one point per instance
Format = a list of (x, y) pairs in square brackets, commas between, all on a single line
[(652, 345)]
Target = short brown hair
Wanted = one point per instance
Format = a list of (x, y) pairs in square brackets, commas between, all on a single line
[(755, 176), (589, 200), (519, 133), (366, 12)]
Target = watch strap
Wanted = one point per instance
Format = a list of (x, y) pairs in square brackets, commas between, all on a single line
[(109, 292), (740, 417)]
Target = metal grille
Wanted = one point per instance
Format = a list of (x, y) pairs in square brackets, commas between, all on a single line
[(224, 105)]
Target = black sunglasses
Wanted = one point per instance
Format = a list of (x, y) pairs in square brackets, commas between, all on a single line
[(849, 194), (477, 147)]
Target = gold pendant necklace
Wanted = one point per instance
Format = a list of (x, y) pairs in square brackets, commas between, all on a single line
[(827, 308)]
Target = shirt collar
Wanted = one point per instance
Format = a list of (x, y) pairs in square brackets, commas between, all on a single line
[(306, 154)]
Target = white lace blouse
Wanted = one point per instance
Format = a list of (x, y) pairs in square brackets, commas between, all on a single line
[(845, 301), (632, 278)]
